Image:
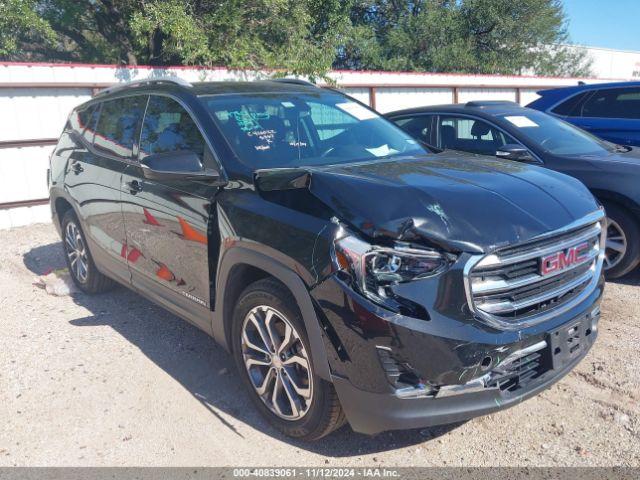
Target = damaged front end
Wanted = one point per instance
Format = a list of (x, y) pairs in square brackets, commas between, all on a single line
[(373, 270), (391, 295)]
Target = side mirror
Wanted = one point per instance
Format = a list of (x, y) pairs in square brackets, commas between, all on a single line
[(180, 165), (517, 153)]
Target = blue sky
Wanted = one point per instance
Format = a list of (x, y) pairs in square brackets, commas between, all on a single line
[(604, 23)]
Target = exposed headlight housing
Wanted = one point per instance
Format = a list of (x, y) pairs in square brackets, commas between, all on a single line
[(373, 269)]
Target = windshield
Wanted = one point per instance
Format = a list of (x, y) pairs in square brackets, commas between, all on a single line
[(556, 136), (297, 129)]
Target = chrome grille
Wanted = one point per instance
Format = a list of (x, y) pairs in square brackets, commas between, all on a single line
[(507, 289)]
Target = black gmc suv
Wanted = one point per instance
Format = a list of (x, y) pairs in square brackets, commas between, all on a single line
[(353, 275)]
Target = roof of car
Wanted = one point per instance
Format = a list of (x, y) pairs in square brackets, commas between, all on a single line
[(488, 108), (590, 86), (259, 86), (211, 88)]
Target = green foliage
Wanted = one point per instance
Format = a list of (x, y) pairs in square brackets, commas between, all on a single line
[(475, 36), (22, 29), (168, 31), (303, 37)]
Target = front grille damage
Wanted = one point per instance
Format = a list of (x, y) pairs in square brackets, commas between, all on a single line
[(516, 374), (513, 373)]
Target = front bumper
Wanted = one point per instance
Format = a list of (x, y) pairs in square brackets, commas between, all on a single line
[(372, 413), (443, 356)]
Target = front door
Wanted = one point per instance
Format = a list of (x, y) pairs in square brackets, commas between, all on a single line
[(167, 222)]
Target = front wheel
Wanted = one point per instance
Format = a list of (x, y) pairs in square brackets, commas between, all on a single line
[(272, 354), (622, 250)]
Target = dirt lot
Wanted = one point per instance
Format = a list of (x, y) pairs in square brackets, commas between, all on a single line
[(115, 380)]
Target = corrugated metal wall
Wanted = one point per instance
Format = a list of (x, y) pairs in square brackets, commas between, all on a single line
[(35, 100)]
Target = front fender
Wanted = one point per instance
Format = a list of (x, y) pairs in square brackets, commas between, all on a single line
[(245, 256)]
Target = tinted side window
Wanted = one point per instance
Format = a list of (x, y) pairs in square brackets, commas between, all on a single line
[(418, 127), (470, 135), (613, 103), (83, 122), (571, 107), (168, 127), (117, 125)]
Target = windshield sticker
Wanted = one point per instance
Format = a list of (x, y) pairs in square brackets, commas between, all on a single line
[(248, 121), (356, 110), (521, 121), (382, 151), (288, 104)]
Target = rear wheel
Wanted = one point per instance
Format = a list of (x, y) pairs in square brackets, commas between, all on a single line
[(271, 350), (622, 250), (79, 260)]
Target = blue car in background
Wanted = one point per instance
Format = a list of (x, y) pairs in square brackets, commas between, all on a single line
[(609, 110)]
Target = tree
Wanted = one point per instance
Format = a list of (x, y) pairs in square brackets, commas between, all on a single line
[(296, 36), (475, 36), (303, 37), (22, 30)]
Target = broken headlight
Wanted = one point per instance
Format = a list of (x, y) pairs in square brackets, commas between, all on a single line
[(374, 269)]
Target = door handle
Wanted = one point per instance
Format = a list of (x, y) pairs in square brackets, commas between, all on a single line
[(134, 186), (77, 167)]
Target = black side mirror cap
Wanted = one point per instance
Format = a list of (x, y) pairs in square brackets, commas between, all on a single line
[(516, 153), (180, 165)]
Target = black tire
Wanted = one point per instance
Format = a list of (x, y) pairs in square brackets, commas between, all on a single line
[(93, 281), (629, 226), (324, 413)]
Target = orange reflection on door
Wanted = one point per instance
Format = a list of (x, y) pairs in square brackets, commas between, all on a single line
[(190, 233), (164, 273)]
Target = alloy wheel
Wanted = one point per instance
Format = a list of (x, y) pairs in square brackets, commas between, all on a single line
[(277, 362), (616, 245), (77, 252)]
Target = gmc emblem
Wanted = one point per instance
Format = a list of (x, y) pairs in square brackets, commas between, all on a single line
[(563, 259)]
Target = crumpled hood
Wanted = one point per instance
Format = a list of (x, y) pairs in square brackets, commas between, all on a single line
[(459, 201)]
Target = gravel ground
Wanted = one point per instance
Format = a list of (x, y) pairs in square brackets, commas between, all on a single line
[(113, 380)]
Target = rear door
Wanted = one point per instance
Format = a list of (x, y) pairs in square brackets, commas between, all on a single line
[(612, 114), (94, 178), (167, 222)]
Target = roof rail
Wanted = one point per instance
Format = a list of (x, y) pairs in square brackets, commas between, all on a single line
[(489, 103), (144, 81), (294, 81)]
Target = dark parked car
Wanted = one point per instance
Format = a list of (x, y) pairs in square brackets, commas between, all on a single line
[(353, 275), (609, 110), (610, 171)]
